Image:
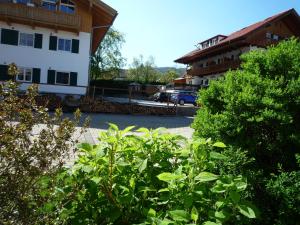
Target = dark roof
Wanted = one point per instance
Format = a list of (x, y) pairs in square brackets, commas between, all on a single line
[(238, 35)]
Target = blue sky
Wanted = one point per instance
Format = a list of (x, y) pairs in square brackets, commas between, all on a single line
[(168, 29)]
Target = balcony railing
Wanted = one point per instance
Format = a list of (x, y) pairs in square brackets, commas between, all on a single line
[(212, 69), (38, 16)]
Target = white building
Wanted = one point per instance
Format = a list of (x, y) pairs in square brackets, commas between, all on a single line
[(50, 41)]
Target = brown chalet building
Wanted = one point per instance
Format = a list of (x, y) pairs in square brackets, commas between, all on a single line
[(215, 56)]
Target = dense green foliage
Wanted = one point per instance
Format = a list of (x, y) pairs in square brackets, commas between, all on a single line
[(33, 144), (107, 61), (153, 178), (256, 110), (145, 72)]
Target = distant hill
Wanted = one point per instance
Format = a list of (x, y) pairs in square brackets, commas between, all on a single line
[(181, 71)]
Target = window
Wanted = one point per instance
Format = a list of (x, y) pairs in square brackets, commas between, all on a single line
[(62, 78), (24, 1), (275, 37), (67, 6), (49, 4), (26, 39), (25, 75), (269, 35), (64, 44)]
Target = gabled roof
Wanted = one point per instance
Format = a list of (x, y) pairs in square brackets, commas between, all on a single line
[(236, 36), (103, 15)]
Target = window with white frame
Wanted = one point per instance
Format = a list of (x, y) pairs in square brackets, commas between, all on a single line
[(26, 39), (24, 1), (62, 78), (67, 6), (49, 4), (25, 75), (64, 44)]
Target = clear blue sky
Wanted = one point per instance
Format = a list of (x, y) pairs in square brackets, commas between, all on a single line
[(168, 29)]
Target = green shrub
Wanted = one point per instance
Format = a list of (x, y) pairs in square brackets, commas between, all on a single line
[(33, 144), (154, 178), (256, 110)]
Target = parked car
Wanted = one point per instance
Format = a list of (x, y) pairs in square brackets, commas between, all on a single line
[(163, 96), (183, 97)]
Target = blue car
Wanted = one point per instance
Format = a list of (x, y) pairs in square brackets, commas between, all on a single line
[(184, 97)]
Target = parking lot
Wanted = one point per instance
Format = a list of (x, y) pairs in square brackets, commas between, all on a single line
[(174, 124)]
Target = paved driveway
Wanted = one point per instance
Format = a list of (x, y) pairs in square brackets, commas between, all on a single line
[(174, 124)]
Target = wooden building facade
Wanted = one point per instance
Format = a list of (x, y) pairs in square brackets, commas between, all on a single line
[(218, 54)]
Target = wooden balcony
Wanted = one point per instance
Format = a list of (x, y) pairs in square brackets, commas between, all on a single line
[(213, 69), (36, 16)]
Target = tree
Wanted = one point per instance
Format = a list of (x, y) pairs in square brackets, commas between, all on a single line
[(107, 61), (33, 144), (169, 76), (256, 110), (143, 71)]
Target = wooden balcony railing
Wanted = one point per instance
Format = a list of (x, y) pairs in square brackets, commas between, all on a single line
[(38, 16), (218, 68)]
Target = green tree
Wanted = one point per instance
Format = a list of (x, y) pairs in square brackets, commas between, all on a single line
[(169, 76), (107, 61), (257, 111), (143, 71)]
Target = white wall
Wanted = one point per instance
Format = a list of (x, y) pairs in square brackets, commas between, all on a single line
[(46, 59)]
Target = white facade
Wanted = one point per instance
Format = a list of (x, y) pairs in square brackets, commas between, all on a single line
[(45, 59)]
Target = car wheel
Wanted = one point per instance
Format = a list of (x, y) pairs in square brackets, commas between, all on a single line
[(181, 102)]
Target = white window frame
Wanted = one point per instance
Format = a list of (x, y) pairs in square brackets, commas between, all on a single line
[(56, 72), (24, 75), (65, 39), (33, 39)]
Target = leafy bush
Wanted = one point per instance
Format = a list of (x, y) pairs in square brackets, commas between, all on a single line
[(256, 110), (146, 179), (32, 144)]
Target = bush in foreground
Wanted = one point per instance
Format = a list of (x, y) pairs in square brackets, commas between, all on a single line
[(256, 110), (147, 179), (33, 144)]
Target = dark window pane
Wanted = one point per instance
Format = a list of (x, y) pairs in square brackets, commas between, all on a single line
[(62, 78)]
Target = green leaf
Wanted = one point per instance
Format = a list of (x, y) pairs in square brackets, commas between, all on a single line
[(210, 223), (143, 165), (151, 213), (164, 190), (219, 145), (235, 196), (128, 129), (179, 215), (167, 177), (96, 179), (247, 210), (113, 126), (206, 176), (165, 222), (86, 147), (216, 155), (194, 214), (142, 130), (241, 186)]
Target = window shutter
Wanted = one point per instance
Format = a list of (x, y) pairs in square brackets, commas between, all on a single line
[(75, 46), (53, 43), (51, 77), (36, 75), (38, 40), (4, 73), (9, 37), (73, 78)]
